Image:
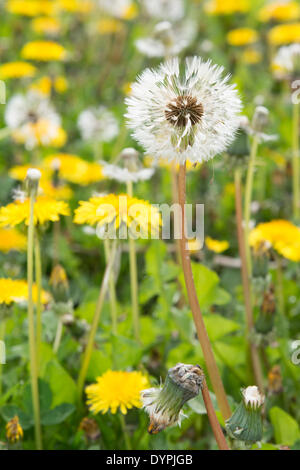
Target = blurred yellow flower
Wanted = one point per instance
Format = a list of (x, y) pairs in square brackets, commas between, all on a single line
[(31, 7), (118, 210), (45, 85), (45, 210), (46, 184), (12, 240), (75, 6), (17, 70), (251, 56), (109, 26), (281, 235), (16, 291), (74, 169), (216, 245), (242, 36), (280, 11), (227, 7), (165, 163), (284, 34), (43, 51), (116, 389), (46, 24), (130, 12), (14, 431), (39, 130)]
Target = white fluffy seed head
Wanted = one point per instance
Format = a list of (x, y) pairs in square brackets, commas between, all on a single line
[(33, 174), (184, 113), (252, 397)]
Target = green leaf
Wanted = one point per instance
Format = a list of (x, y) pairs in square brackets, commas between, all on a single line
[(286, 428), (218, 326), (99, 363), (45, 395), (57, 415), (207, 286), (62, 385)]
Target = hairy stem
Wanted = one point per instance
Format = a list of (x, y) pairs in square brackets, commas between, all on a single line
[(218, 433), (112, 290), (210, 361)]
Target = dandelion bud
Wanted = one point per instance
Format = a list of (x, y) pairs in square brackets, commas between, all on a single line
[(59, 283), (33, 177), (260, 119), (164, 405), (90, 428), (14, 431), (246, 422), (275, 385), (265, 321), (130, 158)]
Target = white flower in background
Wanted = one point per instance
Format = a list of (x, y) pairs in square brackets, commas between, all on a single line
[(32, 119), (184, 114), (118, 8), (252, 397), (98, 124), (260, 121), (287, 59), (167, 40), (172, 10), (131, 169)]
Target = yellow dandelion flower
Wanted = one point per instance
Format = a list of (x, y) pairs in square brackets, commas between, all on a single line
[(216, 245), (74, 169), (165, 163), (31, 7), (227, 7), (60, 84), (43, 85), (14, 431), (109, 26), (281, 235), (242, 36), (45, 210), (75, 6), (284, 34), (42, 133), (131, 12), (116, 389), (16, 291), (280, 11), (17, 70), (117, 210), (251, 56), (46, 24), (12, 240), (43, 51)]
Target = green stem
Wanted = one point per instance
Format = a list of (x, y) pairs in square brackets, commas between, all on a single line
[(2, 336), (296, 162), (112, 290), (280, 287), (95, 322), (32, 341), (124, 430), (133, 278), (38, 279), (248, 200), (58, 336)]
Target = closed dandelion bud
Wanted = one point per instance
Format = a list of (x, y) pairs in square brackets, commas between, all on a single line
[(265, 320), (260, 119), (59, 283), (32, 179), (275, 385), (164, 405), (246, 422), (14, 431), (90, 428)]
